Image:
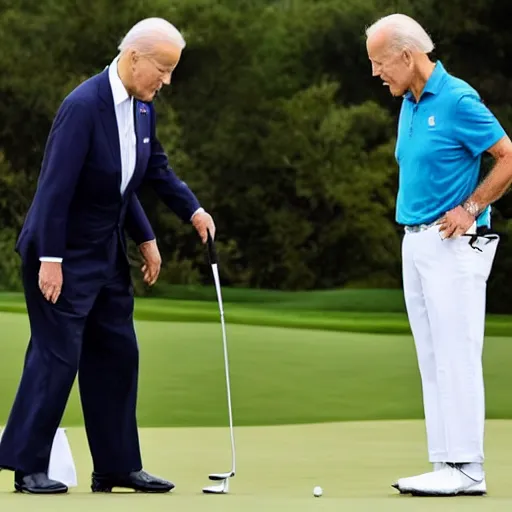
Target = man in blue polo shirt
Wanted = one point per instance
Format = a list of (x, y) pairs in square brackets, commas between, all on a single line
[(444, 128)]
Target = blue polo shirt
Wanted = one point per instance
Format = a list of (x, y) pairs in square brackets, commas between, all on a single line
[(439, 148)]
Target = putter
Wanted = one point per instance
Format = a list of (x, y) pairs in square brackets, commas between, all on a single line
[(222, 487)]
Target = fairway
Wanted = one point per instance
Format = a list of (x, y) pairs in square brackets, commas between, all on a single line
[(278, 467), (279, 376), (365, 311)]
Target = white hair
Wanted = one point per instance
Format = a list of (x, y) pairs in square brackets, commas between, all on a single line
[(405, 32), (144, 34)]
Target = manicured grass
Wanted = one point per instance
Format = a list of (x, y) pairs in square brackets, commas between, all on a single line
[(340, 310), (355, 463), (290, 387), (279, 376), (347, 299)]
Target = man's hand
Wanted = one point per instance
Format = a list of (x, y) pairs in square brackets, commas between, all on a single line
[(455, 222), (50, 280), (203, 223), (152, 261)]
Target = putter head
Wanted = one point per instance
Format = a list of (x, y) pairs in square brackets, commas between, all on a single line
[(222, 487)]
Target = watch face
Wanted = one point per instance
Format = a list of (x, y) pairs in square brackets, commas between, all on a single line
[(471, 207)]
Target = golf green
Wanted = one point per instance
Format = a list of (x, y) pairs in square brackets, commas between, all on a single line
[(299, 398), (277, 468)]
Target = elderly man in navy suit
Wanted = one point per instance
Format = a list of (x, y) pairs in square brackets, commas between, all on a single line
[(101, 148)]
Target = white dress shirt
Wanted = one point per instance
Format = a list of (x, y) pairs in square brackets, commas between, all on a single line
[(123, 105)]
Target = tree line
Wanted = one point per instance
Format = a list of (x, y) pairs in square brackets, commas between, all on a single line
[(272, 118)]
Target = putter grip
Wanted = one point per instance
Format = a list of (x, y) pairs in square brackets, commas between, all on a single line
[(212, 253)]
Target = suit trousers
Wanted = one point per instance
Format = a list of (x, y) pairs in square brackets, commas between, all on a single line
[(90, 331), (445, 294)]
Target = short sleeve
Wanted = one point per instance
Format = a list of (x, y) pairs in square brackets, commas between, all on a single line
[(476, 126)]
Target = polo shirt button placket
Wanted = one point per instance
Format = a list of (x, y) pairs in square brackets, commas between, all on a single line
[(414, 110)]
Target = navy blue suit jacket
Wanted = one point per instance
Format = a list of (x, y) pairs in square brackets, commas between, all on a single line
[(78, 207)]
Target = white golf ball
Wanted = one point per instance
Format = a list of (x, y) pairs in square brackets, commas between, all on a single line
[(317, 491)]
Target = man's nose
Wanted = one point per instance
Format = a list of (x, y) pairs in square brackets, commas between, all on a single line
[(167, 79)]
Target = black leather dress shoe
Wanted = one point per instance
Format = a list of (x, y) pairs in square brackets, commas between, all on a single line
[(37, 483), (138, 480)]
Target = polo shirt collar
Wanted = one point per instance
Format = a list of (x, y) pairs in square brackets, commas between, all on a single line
[(434, 83)]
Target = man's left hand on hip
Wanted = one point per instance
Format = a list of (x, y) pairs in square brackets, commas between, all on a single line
[(456, 222)]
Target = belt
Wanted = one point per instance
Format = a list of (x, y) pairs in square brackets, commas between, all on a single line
[(419, 227), (473, 230)]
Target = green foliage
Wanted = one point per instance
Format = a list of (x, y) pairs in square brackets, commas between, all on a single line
[(9, 261), (273, 119)]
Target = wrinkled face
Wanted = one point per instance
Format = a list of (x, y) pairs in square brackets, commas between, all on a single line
[(150, 72), (394, 68)]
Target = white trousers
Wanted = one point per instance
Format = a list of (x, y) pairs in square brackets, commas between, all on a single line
[(445, 293)]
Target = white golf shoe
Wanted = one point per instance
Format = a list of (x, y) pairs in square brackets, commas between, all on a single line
[(450, 480), (403, 487)]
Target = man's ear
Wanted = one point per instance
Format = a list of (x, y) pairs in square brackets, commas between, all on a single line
[(407, 56), (134, 57)]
